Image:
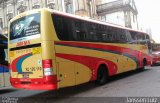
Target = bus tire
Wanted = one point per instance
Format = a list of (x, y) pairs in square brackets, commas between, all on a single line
[(102, 75), (144, 64)]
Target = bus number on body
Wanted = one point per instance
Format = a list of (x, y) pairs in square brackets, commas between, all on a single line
[(32, 69)]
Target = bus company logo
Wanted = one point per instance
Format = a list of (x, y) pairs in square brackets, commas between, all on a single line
[(23, 43), (19, 28)]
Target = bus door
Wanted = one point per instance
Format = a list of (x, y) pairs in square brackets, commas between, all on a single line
[(66, 74), (83, 72)]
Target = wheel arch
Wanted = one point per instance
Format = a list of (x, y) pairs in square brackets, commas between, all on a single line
[(144, 61), (102, 63)]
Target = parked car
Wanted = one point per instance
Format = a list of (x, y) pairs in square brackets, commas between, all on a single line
[(155, 58)]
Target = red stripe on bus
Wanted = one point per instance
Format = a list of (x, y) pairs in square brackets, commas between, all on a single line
[(101, 46), (14, 63), (123, 50), (91, 62)]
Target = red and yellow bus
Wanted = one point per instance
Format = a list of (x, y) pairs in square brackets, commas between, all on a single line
[(51, 50)]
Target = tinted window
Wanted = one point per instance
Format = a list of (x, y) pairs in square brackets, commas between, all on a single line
[(137, 37), (121, 36), (64, 27), (148, 42), (129, 37), (78, 30), (141, 38)]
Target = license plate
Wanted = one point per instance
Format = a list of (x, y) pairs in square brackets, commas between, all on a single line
[(26, 75), (158, 61)]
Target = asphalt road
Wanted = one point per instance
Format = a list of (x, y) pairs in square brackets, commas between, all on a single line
[(130, 84)]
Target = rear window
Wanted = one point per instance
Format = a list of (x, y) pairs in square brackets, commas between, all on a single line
[(25, 28)]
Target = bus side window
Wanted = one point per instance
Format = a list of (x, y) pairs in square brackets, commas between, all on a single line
[(59, 27), (99, 32), (80, 31), (129, 37), (109, 35), (141, 38), (148, 42), (104, 37), (134, 37), (121, 36), (63, 27), (91, 32), (138, 38)]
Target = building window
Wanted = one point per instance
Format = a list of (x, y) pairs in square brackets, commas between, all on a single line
[(103, 18), (35, 4), (51, 4), (22, 6), (35, 1), (68, 6), (1, 22), (133, 18), (89, 7), (9, 16), (9, 8), (49, 1), (9, 11)]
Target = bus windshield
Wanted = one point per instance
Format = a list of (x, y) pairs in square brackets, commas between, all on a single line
[(25, 27)]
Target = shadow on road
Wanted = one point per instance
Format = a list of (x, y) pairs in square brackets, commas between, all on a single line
[(64, 93), (59, 96), (126, 74), (156, 65), (3, 91)]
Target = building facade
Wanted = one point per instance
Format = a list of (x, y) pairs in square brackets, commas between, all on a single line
[(10, 8), (121, 12), (96, 9)]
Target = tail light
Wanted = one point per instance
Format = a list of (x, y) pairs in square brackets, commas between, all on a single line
[(48, 67)]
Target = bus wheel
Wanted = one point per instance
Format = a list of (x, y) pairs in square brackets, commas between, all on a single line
[(102, 75), (144, 64)]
